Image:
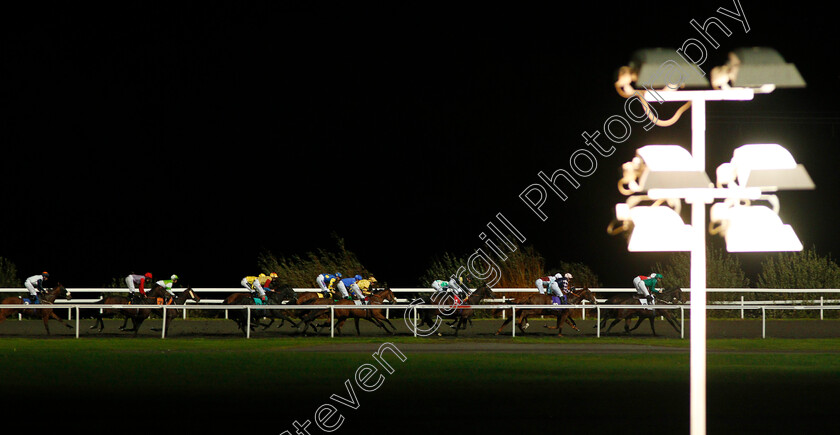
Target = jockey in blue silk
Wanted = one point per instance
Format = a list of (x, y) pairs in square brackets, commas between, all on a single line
[(646, 287), (350, 283), (326, 282), (35, 286)]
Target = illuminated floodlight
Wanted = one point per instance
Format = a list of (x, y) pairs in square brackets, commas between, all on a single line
[(753, 229), (766, 166), (662, 167), (657, 229), (755, 67), (659, 68)]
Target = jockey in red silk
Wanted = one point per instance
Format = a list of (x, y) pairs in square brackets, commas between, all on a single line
[(136, 282), (646, 287)]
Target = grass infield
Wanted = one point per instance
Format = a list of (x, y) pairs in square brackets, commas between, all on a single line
[(754, 386)]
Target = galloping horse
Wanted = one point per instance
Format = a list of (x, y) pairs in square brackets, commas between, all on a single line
[(180, 299), (374, 316), (44, 313), (575, 297), (671, 295), (461, 313), (283, 295), (137, 315), (239, 316)]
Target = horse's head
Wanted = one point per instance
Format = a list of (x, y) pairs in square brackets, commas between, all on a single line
[(61, 291), (484, 292), (586, 294), (190, 294), (387, 295), (673, 295), (285, 291)]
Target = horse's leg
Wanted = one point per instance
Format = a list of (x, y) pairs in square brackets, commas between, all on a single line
[(651, 326), (53, 315), (638, 322), (46, 318), (615, 321), (563, 317), (270, 322), (671, 320), (137, 322), (522, 324), (572, 323), (507, 320), (356, 321)]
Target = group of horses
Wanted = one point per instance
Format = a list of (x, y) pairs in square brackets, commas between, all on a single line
[(335, 311)]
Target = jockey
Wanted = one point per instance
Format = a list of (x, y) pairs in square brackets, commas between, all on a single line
[(354, 288), (252, 283), (450, 286), (265, 281), (35, 286), (646, 286), (440, 285), (168, 283), (327, 282), (560, 288), (364, 284), (137, 280), (544, 282)]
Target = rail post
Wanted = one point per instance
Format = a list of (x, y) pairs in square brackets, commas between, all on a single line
[(598, 325), (742, 306), (332, 321), (513, 320), (821, 309), (414, 320), (583, 310), (763, 323), (77, 321), (682, 322), (163, 328), (248, 322)]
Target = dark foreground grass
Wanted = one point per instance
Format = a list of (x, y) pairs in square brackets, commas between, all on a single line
[(264, 386)]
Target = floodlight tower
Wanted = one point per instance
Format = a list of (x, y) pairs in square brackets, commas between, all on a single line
[(665, 175)]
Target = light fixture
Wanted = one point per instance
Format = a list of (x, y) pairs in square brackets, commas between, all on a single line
[(766, 166), (656, 228), (659, 68), (756, 67), (752, 228), (661, 167)]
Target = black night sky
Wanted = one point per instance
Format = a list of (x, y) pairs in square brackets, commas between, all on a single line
[(185, 140)]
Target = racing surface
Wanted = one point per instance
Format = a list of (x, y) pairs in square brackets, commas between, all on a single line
[(480, 328)]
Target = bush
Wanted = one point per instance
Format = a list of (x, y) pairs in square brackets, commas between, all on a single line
[(798, 270), (722, 271), (301, 271)]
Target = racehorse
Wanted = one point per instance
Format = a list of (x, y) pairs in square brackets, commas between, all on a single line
[(668, 296), (281, 295), (44, 313), (574, 297), (180, 299), (98, 314), (139, 315), (460, 312), (239, 315), (374, 316)]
